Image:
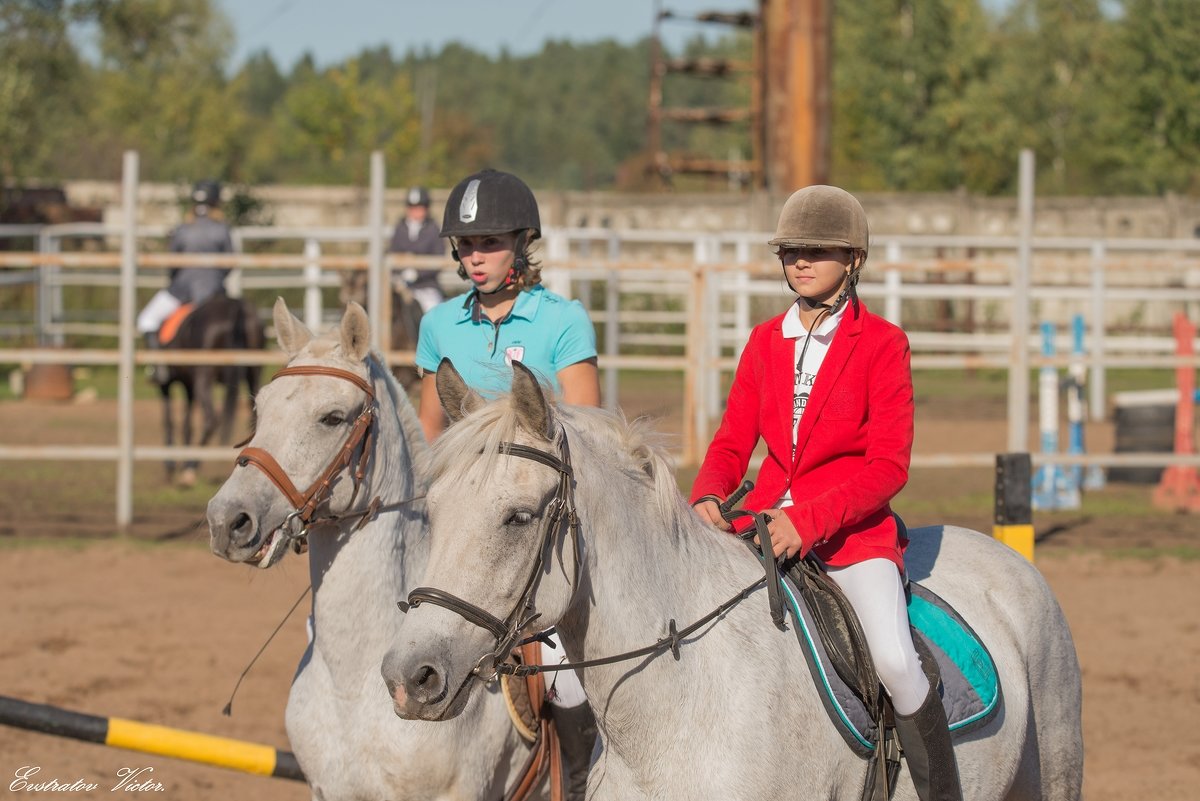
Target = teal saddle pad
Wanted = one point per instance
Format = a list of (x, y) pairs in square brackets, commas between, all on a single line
[(971, 686)]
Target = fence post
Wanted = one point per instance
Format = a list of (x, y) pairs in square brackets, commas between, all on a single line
[(891, 284), (312, 285), (612, 322), (555, 277), (1014, 502), (233, 281), (1018, 368), (1096, 401), (694, 373), (49, 292), (125, 369), (376, 283)]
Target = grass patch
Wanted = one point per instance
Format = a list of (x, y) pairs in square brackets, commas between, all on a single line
[(1142, 553)]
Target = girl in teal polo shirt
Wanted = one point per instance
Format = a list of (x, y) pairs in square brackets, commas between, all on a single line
[(492, 220)]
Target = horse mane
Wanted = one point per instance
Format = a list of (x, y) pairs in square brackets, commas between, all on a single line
[(410, 424), (468, 449)]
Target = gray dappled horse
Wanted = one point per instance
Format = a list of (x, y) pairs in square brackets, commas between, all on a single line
[(738, 715), (339, 717)]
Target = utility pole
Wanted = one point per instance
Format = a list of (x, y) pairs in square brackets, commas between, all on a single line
[(788, 117), (796, 77)]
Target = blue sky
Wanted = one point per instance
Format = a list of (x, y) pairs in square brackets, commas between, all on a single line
[(333, 30)]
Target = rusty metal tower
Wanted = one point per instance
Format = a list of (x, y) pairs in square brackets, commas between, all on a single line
[(788, 112)]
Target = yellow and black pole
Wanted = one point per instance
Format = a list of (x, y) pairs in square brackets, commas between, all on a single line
[(1014, 502), (147, 738)]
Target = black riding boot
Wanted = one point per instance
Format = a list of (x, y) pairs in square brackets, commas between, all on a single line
[(576, 727), (925, 738), (157, 373)]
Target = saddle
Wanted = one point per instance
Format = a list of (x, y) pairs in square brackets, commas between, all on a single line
[(952, 655), (170, 326)]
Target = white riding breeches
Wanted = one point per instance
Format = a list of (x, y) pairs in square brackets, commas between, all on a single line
[(562, 686), (156, 312), (876, 592)]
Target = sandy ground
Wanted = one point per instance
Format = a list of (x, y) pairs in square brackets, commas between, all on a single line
[(160, 634), (151, 627)]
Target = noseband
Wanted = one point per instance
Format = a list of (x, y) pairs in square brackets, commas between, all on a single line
[(306, 503), (508, 631)]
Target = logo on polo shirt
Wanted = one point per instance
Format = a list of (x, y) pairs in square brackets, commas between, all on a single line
[(514, 353)]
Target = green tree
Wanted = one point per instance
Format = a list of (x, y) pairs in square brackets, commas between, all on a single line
[(160, 87), (900, 73), (329, 123), (41, 79), (1148, 130)]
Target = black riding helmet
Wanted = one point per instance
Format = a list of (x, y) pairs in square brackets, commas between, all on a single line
[(491, 202), (206, 193)]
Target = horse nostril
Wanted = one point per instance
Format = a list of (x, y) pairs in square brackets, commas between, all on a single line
[(425, 675), (241, 522), (426, 686)]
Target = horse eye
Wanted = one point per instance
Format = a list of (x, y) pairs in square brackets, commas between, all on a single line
[(520, 517), (333, 419)]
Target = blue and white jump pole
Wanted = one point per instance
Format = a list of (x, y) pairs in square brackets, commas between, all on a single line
[(1053, 485), (1092, 477)]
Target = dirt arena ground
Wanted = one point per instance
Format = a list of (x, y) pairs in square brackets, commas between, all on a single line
[(151, 627)]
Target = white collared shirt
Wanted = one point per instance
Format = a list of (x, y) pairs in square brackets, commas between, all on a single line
[(805, 372)]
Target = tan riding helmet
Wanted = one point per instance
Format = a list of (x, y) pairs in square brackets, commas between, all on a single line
[(822, 216)]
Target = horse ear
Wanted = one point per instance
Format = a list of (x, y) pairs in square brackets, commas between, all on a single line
[(356, 332), (292, 334), (533, 412), (457, 398)]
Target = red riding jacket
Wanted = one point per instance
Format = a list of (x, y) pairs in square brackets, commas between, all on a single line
[(853, 444)]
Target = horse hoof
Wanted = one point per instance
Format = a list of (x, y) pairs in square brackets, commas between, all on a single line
[(187, 478)]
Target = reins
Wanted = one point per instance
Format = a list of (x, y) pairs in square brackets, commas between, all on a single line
[(361, 438), (507, 631)]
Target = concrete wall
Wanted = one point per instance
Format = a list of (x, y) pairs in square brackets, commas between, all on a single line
[(955, 213)]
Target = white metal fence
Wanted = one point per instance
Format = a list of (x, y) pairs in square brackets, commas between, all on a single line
[(652, 311)]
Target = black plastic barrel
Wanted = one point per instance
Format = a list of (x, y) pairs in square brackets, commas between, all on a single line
[(1144, 423)]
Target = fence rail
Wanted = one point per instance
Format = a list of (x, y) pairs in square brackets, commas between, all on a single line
[(652, 314)]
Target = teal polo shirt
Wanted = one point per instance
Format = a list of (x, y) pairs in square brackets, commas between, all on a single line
[(544, 331)]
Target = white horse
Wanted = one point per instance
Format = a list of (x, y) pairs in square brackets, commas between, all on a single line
[(339, 717), (737, 716)]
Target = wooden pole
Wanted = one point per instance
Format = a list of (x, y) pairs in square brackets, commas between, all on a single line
[(796, 72)]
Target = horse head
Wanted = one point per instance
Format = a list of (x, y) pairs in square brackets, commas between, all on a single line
[(306, 465), (504, 559)]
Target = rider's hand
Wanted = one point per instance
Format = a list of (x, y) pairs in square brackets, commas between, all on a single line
[(784, 537), (710, 513)]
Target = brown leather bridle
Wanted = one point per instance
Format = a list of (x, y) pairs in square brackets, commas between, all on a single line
[(362, 433)]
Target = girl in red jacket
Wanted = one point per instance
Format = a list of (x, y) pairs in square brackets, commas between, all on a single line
[(827, 386)]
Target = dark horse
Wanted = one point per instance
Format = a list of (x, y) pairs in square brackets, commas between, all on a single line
[(406, 321), (219, 323)]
